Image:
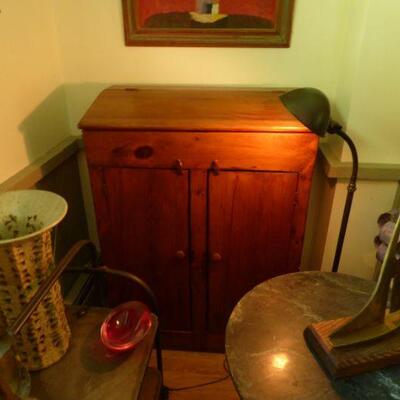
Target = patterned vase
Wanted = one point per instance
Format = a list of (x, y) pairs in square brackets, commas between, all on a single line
[(26, 258)]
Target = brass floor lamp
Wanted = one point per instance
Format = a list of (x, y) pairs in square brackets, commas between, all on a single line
[(311, 107), (370, 339)]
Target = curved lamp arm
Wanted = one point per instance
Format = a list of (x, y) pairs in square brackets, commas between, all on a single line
[(335, 128), (311, 107)]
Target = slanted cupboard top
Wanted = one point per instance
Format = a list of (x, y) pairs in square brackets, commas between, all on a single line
[(190, 109)]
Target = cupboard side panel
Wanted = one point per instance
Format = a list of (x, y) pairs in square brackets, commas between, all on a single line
[(301, 207)]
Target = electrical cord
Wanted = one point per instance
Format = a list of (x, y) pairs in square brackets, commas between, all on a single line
[(213, 382)]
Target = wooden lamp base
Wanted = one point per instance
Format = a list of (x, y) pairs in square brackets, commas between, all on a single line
[(354, 359), (371, 339)]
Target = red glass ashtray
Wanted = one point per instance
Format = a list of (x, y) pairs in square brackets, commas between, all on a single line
[(126, 326)]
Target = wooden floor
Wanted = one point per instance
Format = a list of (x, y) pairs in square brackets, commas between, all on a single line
[(183, 369)]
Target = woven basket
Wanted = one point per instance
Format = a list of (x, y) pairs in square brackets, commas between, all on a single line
[(26, 259)]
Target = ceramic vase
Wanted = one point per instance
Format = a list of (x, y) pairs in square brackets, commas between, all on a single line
[(27, 218)]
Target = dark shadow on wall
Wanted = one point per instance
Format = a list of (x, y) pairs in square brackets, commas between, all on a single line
[(44, 128), (80, 97), (65, 181), (47, 125)]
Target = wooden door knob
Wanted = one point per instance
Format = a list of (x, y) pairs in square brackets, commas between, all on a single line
[(215, 167), (178, 166), (216, 257), (180, 254)]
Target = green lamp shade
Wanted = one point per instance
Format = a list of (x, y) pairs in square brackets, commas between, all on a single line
[(311, 107)]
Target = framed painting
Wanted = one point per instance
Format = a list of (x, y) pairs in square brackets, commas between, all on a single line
[(219, 23)]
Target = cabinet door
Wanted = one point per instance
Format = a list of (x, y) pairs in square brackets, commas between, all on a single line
[(146, 232), (250, 220)]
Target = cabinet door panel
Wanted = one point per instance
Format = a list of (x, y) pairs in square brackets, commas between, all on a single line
[(250, 220), (148, 235)]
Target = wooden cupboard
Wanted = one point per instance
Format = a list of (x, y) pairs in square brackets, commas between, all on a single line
[(201, 192)]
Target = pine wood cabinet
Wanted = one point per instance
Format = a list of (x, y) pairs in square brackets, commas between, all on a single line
[(203, 193)]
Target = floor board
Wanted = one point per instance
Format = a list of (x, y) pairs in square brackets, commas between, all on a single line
[(183, 369)]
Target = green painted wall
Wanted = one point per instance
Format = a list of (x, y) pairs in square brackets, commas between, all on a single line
[(366, 101), (368, 94)]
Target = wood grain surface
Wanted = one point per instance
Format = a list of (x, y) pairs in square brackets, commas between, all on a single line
[(150, 225), (355, 359), (190, 109), (88, 371), (250, 219), (235, 150), (183, 369)]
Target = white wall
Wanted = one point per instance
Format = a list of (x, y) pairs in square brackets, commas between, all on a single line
[(32, 100), (368, 91), (374, 117), (367, 102)]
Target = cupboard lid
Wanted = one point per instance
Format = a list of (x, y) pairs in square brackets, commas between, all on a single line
[(190, 109)]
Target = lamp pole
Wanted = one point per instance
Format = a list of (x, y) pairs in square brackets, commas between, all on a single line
[(335, 128), (311, 107)]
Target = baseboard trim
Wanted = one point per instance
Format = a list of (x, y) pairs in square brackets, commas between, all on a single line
[(336, 169), (33, 173)]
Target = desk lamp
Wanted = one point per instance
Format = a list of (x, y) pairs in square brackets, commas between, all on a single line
[(311, 107), (370, 339)]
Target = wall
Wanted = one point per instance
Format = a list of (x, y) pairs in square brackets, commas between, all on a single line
[(366, 101), (32, 101), (368, 90), (95, 56), (374, 117)]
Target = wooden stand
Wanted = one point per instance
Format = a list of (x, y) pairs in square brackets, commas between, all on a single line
[(355, 359), (371, 339), (89, 372)]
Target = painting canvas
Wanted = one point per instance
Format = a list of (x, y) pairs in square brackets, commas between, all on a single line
[(246, 23)]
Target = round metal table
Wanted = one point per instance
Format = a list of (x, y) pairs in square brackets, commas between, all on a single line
[(265, 349)]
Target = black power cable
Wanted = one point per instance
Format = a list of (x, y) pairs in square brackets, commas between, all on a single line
[(227, 376)]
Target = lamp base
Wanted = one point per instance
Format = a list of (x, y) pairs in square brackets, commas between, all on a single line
[(353, 359)]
